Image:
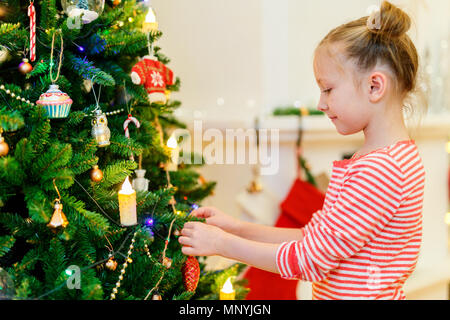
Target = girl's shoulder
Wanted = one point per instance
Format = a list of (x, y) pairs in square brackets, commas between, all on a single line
[(398, 160), (398, 152)]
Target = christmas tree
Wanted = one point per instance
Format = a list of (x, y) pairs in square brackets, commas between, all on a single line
[(80, 114)]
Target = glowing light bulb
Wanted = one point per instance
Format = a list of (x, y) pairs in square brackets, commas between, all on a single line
[(227, 292), (172, 143), (126, 187), (150, 17), (150, 24), (149, 222), (228, 286)]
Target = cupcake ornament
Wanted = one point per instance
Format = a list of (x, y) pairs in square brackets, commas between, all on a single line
[(55, 102)]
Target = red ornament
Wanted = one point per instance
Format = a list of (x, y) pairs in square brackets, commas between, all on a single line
[(191, 273), (155, 76)]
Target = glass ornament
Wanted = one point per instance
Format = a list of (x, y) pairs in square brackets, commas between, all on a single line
[(89, 10), (55, 102)]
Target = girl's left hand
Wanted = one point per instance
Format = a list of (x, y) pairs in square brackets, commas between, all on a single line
[(200, 239)]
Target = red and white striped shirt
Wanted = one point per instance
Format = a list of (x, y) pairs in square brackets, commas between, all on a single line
[(364, 242)]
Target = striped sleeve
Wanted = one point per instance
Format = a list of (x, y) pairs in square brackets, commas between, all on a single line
[(316, 216), (370, 195)]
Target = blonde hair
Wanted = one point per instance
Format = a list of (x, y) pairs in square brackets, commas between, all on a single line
[(388, 44)]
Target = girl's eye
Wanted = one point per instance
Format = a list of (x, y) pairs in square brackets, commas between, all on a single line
[(326, 91)]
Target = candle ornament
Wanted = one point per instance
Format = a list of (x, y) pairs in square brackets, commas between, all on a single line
[(150, 24), (127, 204), (174, 154), (227, 292)]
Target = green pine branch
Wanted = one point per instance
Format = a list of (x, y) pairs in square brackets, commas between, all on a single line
[(11, 120), (86, 70), (6, 243)]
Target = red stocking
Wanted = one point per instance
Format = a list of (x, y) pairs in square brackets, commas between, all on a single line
[(296, 210)]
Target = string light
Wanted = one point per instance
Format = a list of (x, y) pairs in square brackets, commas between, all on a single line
[(17, 97), (124, 267), (149, 222)]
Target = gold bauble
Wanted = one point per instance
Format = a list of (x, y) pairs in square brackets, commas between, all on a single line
[(111, 264), (25, 67), (4, 148), (96, 174), (167, 262)]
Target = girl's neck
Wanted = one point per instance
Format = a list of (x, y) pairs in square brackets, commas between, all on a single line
[(384, 130)]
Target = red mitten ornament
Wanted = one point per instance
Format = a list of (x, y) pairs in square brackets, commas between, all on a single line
[(155, 76), (191, 273)]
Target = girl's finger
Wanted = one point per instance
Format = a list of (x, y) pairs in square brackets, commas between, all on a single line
[(188, 225), (189, 251), (192, 224), (184, 240), (186, 232), (203, 212)]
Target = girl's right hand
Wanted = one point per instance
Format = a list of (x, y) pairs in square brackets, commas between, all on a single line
[(218, 218)]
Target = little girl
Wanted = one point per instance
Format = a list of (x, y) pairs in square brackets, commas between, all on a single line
[(364, 243)]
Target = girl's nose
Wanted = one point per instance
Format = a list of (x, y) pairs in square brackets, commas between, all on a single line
[(322, 106)]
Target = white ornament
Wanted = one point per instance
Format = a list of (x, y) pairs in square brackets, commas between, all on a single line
[(140, 183)]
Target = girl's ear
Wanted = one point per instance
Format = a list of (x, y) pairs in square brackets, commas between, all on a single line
[(377, 86)]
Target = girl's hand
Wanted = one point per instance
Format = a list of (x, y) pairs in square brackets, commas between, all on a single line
[(200, 239), (217, 218)]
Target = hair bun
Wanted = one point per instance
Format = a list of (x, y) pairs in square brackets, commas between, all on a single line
[(394, 21)]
